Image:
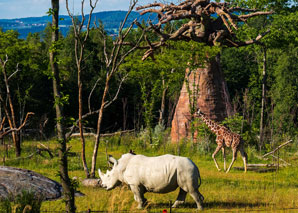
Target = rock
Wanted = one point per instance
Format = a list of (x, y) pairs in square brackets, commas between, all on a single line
[(14, 180), (90, 182)]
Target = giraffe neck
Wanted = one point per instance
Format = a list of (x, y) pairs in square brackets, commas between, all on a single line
[(213, 126)]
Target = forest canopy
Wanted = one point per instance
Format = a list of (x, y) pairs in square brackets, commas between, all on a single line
[(139, 101)]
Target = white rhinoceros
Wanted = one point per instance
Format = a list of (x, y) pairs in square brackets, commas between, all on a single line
[(160, 174)]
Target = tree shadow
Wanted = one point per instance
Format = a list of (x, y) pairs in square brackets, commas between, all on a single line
[(226, 204), (209, 205)]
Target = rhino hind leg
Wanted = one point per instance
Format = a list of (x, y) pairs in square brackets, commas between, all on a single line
[(139, 195), (198, 197), (180, 199)]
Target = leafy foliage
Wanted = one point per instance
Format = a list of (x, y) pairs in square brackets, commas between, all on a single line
[(147, 80)]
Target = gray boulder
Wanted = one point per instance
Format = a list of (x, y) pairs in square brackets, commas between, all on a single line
[(14, 180)]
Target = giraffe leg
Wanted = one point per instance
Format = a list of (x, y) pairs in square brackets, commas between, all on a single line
[(224, 157), (233, 159), (244, 158), (213, 156)]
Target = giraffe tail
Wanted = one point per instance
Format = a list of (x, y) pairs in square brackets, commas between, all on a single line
[(246, 157), (242, 151)]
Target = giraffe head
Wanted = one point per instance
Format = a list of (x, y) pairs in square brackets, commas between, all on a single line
[(199, 113)]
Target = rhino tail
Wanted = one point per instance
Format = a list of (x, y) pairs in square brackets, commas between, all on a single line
[(200, 180)]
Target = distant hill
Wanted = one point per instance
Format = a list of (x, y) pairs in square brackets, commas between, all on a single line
[(110, 19)]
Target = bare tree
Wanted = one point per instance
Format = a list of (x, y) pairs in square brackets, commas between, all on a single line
[(113, 60), (9, 111), (80, 42), (68, 189), (4, 132), (202, 27)]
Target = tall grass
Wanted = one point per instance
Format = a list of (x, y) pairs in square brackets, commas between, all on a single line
[(234, 191), (22, 203)]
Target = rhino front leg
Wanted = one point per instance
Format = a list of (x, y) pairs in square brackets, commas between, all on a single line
[(138, 196), (180, 199)]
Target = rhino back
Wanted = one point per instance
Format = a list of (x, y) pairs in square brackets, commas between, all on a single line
[(160, 174)]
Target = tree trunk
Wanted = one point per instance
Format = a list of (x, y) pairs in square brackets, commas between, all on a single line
[(163, 103), (99, 120), (11, 118), (124, 111), (64, 178), (264, 75), (213, 98), (83, 155)]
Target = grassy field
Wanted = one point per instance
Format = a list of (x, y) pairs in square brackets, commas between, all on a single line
[(236, 191)]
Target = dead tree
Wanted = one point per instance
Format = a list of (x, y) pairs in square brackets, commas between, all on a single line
[(113, 60), (9, 110), (79, 47), (210, 23), (4, 132)]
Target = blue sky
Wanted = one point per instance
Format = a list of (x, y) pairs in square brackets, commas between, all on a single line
[(34, 8)]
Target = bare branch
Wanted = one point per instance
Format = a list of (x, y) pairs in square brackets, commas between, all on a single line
[(19, 128), (150, 5), (206, 29), (72, 18), (117, 47), (2, 123), (17, 70), (247, 16), (89, 19), (129, 51), (89, 97), (117, 93), (233, 9), (280, 146), (132, 5), (248, 42)]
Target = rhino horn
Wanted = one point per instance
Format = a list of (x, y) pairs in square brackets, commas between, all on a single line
[(100, 174)]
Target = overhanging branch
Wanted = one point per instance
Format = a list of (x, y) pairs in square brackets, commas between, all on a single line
[(201, 26)]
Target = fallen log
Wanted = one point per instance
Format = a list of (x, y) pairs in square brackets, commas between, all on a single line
[(261, 167), (90, 134), (86, 134), (257, 169)]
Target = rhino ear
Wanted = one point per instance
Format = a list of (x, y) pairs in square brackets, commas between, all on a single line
[(113, 161)]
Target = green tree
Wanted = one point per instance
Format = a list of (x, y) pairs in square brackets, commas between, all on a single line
[(284, 92), (68, 189)]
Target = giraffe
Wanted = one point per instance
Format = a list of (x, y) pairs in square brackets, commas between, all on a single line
[(225, 138)]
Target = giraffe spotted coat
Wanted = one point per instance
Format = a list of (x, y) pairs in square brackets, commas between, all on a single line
[(225, 138)]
